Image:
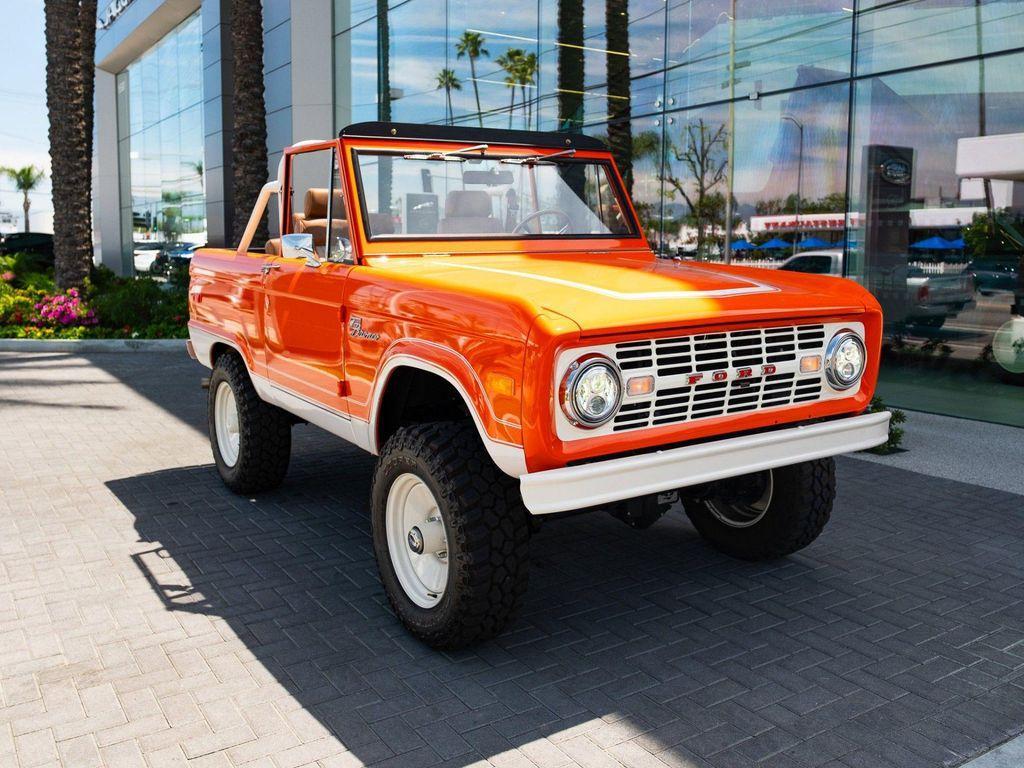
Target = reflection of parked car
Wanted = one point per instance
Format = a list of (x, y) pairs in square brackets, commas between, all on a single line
[(180, 254), (931, 298), (146, 255), (39, 243), (991, 275)]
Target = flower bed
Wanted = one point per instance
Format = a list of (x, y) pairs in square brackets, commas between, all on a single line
[(108, 307)]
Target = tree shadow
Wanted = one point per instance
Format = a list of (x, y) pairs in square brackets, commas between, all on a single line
[(628, 641)]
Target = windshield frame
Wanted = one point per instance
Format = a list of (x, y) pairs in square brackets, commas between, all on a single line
[(625, 205)]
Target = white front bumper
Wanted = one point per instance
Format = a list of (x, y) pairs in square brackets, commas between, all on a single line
[(605, 482)]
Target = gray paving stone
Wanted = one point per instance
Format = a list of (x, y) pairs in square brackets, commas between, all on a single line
[(147, 614)]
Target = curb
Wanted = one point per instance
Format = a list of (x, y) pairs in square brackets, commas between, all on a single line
[(76, 346)]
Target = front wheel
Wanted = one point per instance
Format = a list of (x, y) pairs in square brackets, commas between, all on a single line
[(450, 534), (765, 515)]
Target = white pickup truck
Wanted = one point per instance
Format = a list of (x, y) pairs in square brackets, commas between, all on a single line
[(930, 298)]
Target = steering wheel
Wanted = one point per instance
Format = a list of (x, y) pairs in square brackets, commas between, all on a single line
[(521, 227)]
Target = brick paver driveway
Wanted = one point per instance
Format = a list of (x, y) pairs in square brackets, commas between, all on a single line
[(147, 616)]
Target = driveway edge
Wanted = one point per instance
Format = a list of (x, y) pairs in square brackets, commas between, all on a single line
[(93, 345)]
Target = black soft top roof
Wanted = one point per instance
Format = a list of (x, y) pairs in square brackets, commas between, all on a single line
[(470, 135)]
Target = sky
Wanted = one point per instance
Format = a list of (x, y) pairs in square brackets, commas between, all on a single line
[(23, 121)]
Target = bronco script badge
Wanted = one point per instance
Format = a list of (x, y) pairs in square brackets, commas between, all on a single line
[(355, 330)]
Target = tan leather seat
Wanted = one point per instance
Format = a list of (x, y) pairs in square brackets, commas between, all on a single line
[(467, 212), (313, 218)]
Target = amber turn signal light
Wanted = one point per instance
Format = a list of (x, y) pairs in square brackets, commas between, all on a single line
[(640, 385), (810, 364)]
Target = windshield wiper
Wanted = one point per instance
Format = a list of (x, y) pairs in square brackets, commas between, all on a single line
[(451, 156), (534, 159)]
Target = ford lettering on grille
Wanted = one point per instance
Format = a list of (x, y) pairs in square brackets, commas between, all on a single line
[(716, 374)]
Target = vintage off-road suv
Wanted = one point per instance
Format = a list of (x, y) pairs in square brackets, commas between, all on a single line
[(481, 311)]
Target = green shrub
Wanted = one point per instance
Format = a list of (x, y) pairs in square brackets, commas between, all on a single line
[(895, 430), (18, 305)]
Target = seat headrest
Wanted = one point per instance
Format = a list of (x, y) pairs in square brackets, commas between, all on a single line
[(463, 203), (314, 206)]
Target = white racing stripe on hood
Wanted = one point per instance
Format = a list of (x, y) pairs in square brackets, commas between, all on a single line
[(755, 287)]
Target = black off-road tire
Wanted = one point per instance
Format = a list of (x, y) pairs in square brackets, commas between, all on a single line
[(265, 432), (800, 507), (487, 529)]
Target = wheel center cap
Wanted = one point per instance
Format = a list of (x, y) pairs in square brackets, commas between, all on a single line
[(416, 541)]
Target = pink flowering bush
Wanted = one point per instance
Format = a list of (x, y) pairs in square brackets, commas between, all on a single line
[(7, 277), (64, 310)]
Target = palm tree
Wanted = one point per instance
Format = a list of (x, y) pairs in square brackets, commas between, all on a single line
[(249, 127), (471, 44), (620, 129), (526, 75), (446, 79), (571, 74), (509, 62), (25, 180), (70, 49)]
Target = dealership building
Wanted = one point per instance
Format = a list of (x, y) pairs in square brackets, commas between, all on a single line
[(887, 131)]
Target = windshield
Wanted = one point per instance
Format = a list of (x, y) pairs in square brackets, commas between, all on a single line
[(421, 197)]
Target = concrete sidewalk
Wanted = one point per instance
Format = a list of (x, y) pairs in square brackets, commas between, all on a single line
[(149, 617)]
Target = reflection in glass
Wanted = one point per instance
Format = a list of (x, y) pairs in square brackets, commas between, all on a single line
[(163, 125)]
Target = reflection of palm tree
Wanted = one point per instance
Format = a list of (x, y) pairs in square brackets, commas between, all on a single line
[(383, 101), (509, 62), (526, 75), (570, 64), (471, 44), (617, 69), (446, 79)]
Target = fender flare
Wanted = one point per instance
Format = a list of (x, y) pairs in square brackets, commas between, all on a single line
[(456, 370), (204, 342)]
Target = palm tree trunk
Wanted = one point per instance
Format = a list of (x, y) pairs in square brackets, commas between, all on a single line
[(70, 41), (448, 96), (249, 127), (620, 131), (384, 173), (476, 90), (511, 105), (26, 205), (526, 118), (570, 65)]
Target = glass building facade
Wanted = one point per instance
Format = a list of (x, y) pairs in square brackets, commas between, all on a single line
[(836, 128), (160, 141)]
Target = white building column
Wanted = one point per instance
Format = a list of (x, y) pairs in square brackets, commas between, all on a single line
[(109, 248)]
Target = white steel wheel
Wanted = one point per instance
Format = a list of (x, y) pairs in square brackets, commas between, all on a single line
[(226, 423), (417, 541), (747, 504)]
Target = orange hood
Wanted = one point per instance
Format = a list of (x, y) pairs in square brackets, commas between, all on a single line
[(609, 293)]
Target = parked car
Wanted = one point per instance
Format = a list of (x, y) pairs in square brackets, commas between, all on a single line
[(521, 355), (38, 243), (180, 254), (996, 274), (931, 299), (147, 256)]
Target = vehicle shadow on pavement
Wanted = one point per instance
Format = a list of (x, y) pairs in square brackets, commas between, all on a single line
[(895, 639)]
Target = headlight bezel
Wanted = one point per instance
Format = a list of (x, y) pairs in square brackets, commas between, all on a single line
[(566, 390), (831, 375)]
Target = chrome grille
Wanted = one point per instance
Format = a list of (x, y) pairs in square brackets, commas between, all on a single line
[(672, 360)]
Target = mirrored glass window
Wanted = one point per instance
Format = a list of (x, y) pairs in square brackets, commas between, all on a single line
[(162, 156)]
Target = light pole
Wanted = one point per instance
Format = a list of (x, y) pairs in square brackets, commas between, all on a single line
[(799, 174)]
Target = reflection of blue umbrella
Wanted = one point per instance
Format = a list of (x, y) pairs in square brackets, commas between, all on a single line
[(934, 244), (813, 242), (775, 242), (742, 245), (958, 243)]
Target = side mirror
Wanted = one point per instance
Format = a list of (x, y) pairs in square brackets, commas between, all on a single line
[(299, 246)]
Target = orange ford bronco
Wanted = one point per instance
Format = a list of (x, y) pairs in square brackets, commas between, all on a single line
[(480, 310)]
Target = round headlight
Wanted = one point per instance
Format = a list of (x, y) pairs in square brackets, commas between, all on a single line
[(591, 391), (845, 359)]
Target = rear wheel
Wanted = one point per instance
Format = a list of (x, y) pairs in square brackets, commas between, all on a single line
[(251, 439), (766, 514), (450, 534)]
